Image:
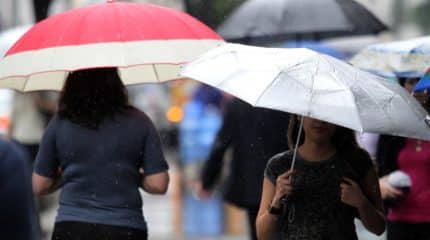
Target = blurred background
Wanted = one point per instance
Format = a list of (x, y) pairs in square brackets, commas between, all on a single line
[(169, 107)]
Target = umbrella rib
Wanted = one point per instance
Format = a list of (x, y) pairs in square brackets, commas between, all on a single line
[(355, 105), (379, 105), (375, 103), (276, 80), (155, 73), (216, 56), (269, 86), (313, 84), (334, 69), (25, 83), (355, 79)]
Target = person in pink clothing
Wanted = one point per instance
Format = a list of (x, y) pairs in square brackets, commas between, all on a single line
[(408, 210)]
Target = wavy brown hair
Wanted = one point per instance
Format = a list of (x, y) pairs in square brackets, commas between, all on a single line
[(89, 96)]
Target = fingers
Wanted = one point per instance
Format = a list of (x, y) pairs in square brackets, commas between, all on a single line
[(285, 191), (388, 191), (344, 186), (283, 186), (285, 177), (350, 181), (392, 192), (345, 193), (283, 181), (287, 174)]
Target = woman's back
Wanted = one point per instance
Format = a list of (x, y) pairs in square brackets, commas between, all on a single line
[(100, 167)]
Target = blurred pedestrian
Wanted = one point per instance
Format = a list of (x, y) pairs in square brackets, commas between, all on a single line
[(254, 135), (197, 132), (18, 219), (30, 115), (333, 182), (41, 9), (407, 207), (99, 150)]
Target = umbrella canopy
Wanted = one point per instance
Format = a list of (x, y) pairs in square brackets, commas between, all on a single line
[(148, 43), (409, 56), (308, 83), (269, 21)]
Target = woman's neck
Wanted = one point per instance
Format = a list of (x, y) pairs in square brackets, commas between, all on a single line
[(316, 151)]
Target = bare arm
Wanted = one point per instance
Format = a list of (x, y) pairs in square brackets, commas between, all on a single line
[(371, 211), (44, 185), (155, 183), (266, 222), (367, 199)]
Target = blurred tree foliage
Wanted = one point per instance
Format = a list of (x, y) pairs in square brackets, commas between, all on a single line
[(211, 12), (421, 16)]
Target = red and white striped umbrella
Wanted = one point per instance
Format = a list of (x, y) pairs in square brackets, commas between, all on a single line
[(147, 43)]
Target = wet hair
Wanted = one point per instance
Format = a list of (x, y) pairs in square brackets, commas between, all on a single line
[(89, 96)]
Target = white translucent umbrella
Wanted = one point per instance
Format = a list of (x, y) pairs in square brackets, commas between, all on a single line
[(407, 56), (311, 84)]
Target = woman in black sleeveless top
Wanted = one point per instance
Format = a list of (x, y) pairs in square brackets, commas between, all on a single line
[(332, 183)]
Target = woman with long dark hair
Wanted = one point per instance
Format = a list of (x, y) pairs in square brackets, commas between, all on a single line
[(99, 150), (332, 183)]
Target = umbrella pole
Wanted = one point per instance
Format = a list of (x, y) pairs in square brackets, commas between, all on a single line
[(297, 143)]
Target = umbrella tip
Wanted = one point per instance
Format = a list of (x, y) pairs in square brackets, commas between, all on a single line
[(110, 1)]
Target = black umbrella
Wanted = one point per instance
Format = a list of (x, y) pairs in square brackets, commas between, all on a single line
[(271, 21)]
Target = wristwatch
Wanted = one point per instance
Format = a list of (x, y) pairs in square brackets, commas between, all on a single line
[(274, 210)]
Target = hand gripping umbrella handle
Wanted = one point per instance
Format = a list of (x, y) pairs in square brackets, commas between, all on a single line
[(284, 199)]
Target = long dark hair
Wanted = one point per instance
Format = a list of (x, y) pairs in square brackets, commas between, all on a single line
[(343, 140), (91, 95)]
